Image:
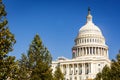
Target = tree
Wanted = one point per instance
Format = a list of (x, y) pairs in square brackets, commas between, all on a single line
[(115, 68), (58, 75), (24, 72), (8, 65), (7, 39), (106, 73), (8, 68), (39, 60), (98, 76)]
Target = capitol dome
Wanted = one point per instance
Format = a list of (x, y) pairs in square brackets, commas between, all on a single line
[(90, 28), (90, 41)]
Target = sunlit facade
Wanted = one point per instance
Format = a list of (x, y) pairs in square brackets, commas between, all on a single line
[(89, 54)]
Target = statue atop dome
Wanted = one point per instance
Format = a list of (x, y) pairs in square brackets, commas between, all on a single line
[(89, 16), (89, 10)]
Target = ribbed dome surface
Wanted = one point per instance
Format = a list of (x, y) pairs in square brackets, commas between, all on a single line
[(90, 28)]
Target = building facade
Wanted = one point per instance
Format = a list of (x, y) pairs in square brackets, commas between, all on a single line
[(89, 54)]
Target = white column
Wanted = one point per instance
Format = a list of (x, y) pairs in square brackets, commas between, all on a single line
[(79, 52), (67, 69), (83, 68), (83, 51), (61, 68), (98, 51), (95, 50), (76, 52), (73, 69), (101, 51), (89, 67), (77, 69), (86, 50), (104, 52), (92, 50), (89, 50)]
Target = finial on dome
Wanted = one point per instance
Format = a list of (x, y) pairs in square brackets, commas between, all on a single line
[(89, 16), (89, 10)]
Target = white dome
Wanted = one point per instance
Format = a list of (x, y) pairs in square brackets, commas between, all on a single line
[(90, 28)]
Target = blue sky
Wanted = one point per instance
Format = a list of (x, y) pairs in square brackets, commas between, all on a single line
[(58, 22)]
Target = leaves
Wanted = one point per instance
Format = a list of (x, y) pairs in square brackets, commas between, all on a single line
[(8, 65), (58, 75), (37, 64)]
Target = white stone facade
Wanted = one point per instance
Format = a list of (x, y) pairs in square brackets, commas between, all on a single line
[(89, 54)]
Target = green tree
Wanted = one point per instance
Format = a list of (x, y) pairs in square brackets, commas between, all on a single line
[(39, 60), (98, 76), (115, 68), (58, 75), (24, 72), (8, 65), (7, 39), (8, 68), (106, 73)]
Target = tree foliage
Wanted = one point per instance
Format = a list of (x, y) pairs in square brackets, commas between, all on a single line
[(8, 65), (24, 72), (8, 68), (58, 75), (7, 39), (39, 60), (37, 63)]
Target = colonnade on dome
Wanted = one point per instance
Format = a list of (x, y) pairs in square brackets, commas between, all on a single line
[(90, 51)]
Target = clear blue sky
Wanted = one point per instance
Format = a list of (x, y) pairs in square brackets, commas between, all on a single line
[(58, 21)]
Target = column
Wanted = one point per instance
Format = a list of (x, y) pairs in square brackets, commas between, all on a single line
[(86, 50), (101, 51), (83, 68), (73, 69), (89, 50), (77, 69), (95, 51), (62, 68), (89, 67), (92, 50), (76, 52), (98, 51), (83, 50), (67, 69), (79, 52)]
